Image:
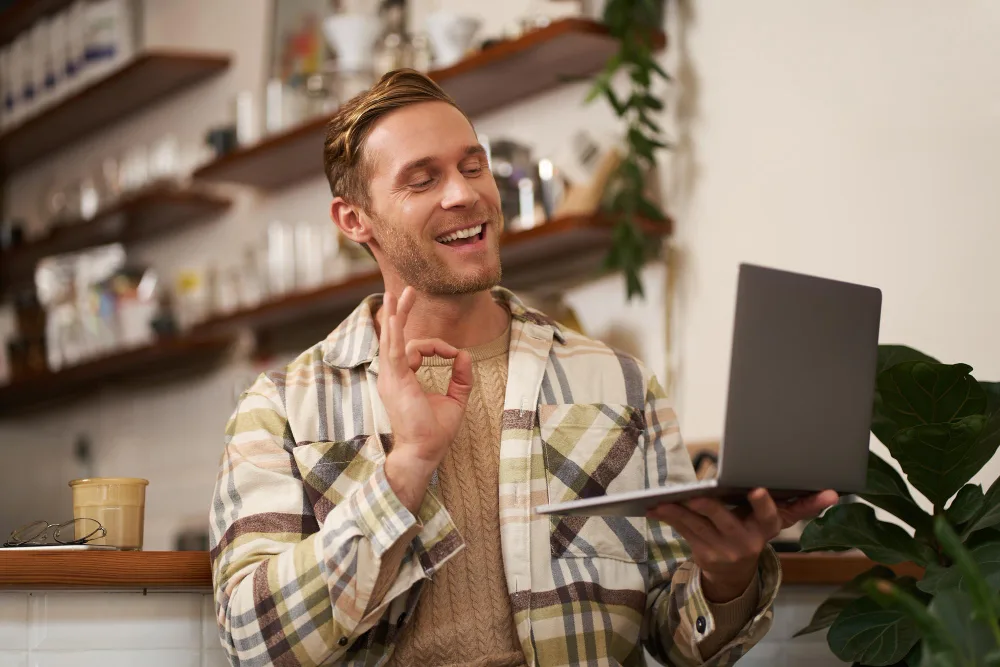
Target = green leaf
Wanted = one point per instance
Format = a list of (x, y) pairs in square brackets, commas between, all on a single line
[(867, 633), (613, 101), (655, 66), (640, 75), (649, 210), (633, 175), (886, 489), (980, 588), (827, 612), (987, 558), (616, 17), (890, 355), (641, 144), (989, 513), (939, 459), (918, 392), (610, 67), (970, 637), (966, 504), (649, 123), (600, 85), (653, 103), (912, 658), (854, 526), (992, 390), (633, 284)]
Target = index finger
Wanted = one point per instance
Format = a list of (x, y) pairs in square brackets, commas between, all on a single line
[(387, 310), (406, 300)]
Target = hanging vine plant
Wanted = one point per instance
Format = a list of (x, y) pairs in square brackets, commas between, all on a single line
[(635, 24)]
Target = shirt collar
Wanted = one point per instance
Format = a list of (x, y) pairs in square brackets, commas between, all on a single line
[(354, 342)]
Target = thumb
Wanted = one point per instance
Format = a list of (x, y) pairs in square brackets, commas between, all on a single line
[(461, 379)]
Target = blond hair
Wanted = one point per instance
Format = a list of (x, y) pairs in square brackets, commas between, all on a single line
[(347, 169)]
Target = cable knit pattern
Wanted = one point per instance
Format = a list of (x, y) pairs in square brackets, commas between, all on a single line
[(464, 615)]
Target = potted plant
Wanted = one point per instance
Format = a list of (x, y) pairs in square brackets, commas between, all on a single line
[(635, 24), (941, 426)]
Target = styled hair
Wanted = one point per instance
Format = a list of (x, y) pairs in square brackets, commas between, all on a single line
[(348, 169)]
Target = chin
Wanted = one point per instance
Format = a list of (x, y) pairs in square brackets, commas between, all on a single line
[(461, 282)]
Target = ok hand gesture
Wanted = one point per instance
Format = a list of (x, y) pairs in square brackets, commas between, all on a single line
[(423, 424)]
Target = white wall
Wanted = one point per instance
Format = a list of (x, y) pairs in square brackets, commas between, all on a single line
[(848, 138)]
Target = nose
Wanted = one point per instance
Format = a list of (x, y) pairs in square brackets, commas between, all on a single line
[(458, 192)]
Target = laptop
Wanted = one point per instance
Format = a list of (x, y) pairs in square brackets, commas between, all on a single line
[(799, 404)]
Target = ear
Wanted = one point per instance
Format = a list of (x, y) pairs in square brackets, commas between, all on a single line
[(350, 221)]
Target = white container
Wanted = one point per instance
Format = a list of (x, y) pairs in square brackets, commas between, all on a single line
[(451, 36), (40, 70), (58, 55), (135, 318), (76, 63), (108, 39), (246, 122), (19, 68), (284, 106), (352, 37)]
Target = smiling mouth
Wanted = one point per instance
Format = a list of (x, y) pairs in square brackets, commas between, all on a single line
[(463, 236)]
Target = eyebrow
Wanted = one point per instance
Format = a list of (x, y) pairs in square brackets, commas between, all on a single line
[(472, 149)]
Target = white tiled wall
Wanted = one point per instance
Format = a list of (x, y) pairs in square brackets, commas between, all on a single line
[(85, 629), (91, 629)]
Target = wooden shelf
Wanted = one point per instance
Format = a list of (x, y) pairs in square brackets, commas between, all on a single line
[(167, 359), (147, 78), (191, 570), (23, 13), (33, 570), (831, 568), (490, 79), (560, 250), (132, 218)]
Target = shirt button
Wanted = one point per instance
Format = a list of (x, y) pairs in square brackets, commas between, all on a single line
[(343, 640), (700, 624)]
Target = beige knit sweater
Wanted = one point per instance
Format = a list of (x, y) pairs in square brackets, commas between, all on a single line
[(464, 615)]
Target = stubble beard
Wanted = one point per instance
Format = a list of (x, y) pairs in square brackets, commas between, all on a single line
[(418, 266)]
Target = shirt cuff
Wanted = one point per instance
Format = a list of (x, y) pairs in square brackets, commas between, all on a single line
[(730, 617), (380, 515), (697, 621)]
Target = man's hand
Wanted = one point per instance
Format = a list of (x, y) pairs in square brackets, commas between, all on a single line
[(423, 424), (726, 546)]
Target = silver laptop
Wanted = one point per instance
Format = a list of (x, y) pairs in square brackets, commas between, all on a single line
[(801, 386)]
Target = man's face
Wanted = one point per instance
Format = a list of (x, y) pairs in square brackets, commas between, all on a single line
[(435, 208)]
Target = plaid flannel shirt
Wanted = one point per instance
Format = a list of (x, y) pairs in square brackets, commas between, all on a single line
[(302, 512)]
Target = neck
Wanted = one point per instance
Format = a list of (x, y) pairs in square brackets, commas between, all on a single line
[(462, 320)]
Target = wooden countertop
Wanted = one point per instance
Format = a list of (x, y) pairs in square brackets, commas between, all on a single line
[(189, 570)]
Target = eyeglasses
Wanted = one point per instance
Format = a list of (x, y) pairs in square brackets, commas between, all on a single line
[(37, 533)]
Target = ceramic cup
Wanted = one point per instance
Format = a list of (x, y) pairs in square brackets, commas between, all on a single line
[(451, 36), (352, 37), (118, 503)]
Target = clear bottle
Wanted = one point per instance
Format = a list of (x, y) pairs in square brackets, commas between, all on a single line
[(393, 50)]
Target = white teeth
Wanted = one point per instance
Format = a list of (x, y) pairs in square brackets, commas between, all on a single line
[(461, 234)]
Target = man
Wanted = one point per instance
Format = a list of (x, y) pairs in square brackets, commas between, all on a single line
[(375, 500)]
